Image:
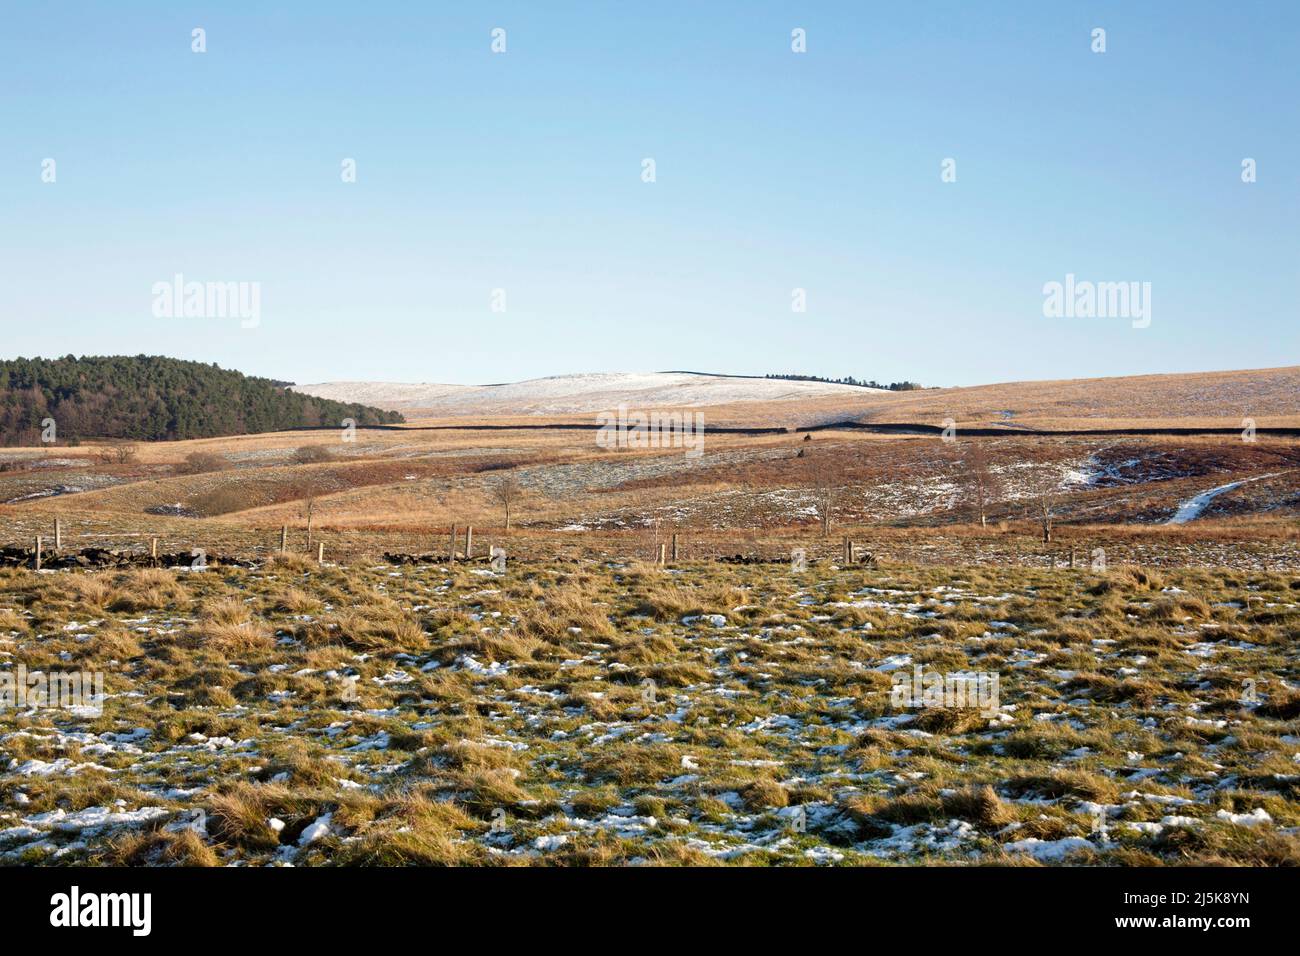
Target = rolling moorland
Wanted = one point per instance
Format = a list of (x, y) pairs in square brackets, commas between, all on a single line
[(1135, 588)]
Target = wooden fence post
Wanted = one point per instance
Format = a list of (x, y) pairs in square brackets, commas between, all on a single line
[(284, 538), (58, 534), (153, 551), (38, 552), (663, 549), (469, 542), (320, 553), (674, 547), (452, 556)]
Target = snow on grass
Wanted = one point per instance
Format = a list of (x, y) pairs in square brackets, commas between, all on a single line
[(770, 735), (1192, 508), (591, 392)]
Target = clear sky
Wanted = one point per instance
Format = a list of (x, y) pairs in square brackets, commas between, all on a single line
[(774, 170)]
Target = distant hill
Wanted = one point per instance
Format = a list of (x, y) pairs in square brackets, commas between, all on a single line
[(1270, 397), (579, 394), (153, 398)]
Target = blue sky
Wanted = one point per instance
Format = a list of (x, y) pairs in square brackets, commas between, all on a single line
[(775, 171)]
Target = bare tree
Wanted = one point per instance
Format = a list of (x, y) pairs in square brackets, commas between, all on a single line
[(983, 485), (1043, 487), (827, 481), (507, 492)]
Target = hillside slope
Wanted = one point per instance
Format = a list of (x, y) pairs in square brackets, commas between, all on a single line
[(1224, 399), (1221, 399), (153, 398), (565, 394)]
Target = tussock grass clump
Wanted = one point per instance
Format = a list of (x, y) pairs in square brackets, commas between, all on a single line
[(466, 754), (293, 600), (1138, 578), (291, 561), (92, 591), (651, 649), (594, 803), (484, 789), (561, 609), (500, 646), (765, 793), (11, 620), (1060, 783), (227, 626), (415, 829), (148, 589), (1281, 705), (1218, 845), (241, 814), (113, 643), (378, 625), (404, 846), (904, 810), (162, 848), (672, 602), (629, 764), (949, 720), (1178, 609), (979, 804)]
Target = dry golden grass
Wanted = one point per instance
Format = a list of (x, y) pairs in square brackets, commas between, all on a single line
[(161, 848), (1192, 399), (228, 627), (1183, 400)]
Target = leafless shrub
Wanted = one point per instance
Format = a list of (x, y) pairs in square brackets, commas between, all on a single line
[(312, 454), (122, 453), (199, 462)]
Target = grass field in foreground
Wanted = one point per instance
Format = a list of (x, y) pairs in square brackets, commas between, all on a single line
[(611, 713)]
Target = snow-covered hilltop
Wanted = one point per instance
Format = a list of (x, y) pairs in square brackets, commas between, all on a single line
[(591, 392)]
